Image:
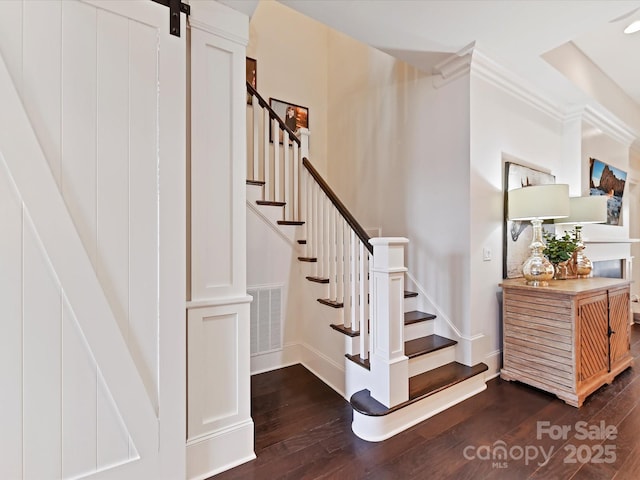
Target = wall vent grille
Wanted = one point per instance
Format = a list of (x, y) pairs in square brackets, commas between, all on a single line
[(266, 319)]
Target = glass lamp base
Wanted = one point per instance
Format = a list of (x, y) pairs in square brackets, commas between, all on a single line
[(583, 266), (537, 271)]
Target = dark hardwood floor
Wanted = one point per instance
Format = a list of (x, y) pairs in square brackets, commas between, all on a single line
[(303, 431)]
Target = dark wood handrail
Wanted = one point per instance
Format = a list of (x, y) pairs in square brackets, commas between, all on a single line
[(263, 103), (344, 211)]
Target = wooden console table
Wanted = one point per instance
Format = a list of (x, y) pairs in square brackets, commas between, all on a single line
[(569, 338)]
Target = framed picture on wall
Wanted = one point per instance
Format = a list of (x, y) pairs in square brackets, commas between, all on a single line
[(517, 234), (608, 181), (252, 76), (294, 116)]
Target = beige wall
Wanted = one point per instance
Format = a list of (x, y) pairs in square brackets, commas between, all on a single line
[(291, 52)]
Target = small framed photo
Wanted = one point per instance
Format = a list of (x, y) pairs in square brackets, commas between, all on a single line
[(294, 116), (252, 76)]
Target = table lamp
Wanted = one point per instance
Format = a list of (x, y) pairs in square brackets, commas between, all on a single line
[(584, 210), (537, 203)]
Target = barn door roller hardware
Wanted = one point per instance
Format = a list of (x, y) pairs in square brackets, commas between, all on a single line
[(175, 7)]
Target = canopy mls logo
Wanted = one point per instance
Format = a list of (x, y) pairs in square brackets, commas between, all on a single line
[(500, 453)]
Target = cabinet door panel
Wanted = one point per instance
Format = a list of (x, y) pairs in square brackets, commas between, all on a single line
[(619, 322), (593, 342)]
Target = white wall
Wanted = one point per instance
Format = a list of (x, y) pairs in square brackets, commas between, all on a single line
[(503, 128), (272, 260), (399, 158)]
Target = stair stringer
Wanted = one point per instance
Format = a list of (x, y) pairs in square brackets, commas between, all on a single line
[(271, 215), (379, 428)]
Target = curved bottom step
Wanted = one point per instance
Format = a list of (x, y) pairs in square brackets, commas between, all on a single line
[(374, 422)]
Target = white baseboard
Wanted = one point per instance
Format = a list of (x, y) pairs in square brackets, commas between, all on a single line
[(324, 368), (493, 361), (220, 451), (291, 354)]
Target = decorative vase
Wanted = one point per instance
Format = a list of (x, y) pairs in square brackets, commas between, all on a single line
[(561, 270)]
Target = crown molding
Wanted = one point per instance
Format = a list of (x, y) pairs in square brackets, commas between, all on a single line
[(470, 60), (489, 70), (611, 125), (454, 67)]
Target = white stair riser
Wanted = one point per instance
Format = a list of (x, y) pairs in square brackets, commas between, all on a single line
[(410, 304), (357, 378), (429, 361), (417, 330), (254, 193), (351, 345), (376, 429)]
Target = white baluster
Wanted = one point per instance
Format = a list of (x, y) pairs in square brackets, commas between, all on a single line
[(318, 230), (353, 267), (287, 176), (326, 244), (297, 197), (340, 260), (265, 158), (346, 271), (316, 220), (256, 138), (309, 220), (276, 161), (332, 252), (362, 302)]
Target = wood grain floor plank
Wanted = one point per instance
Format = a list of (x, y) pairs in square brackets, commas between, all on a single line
[(303, 431)]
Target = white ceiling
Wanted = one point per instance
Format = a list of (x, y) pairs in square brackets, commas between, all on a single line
[(516, 33)]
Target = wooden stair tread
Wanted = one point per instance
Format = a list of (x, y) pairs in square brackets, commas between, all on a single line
[(259, 183), (420, 387), (308, 259), (269, 203), (364, 363), (290, 222), (331, 303), (350, 332), (415, 316), (408, 294), (419, 346), (318, 279), (428, 344)]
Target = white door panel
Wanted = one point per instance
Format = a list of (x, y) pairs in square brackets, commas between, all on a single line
[(92, 203)]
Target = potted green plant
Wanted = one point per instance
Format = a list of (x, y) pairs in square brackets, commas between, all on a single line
[(559, 250)]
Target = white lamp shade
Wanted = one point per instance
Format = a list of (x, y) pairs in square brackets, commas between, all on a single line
[(539, 201), (586, 210)]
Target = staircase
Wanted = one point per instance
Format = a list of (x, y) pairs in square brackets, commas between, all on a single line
[(398, 372)]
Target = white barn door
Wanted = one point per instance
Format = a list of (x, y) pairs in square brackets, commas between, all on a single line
[(92, 242)]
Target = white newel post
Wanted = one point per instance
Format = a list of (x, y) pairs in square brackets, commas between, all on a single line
[(303, 135), (389, 365)]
